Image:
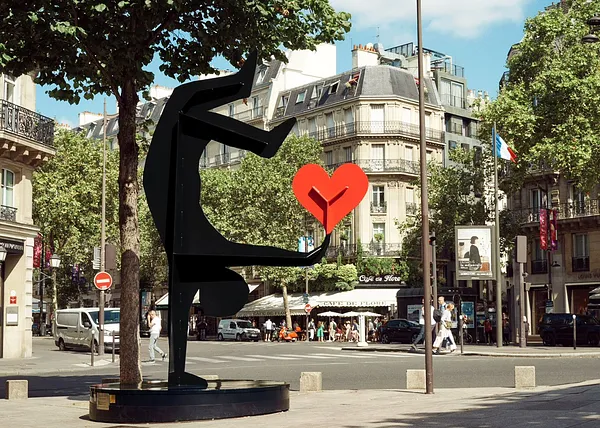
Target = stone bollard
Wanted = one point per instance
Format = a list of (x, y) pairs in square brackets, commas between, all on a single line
[(17, 389), (415, 379), (311, 382), (524, 377)]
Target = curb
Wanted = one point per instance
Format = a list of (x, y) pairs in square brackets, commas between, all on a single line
[(38, 371), (486, 354)]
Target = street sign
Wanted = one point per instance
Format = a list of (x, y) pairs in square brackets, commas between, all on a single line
[(96, 259), (305, 298), (307, 308), (103, 281)]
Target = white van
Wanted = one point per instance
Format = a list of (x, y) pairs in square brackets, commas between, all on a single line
[(75, 328), (237, 330)]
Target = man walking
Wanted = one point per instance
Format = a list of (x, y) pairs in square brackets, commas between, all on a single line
[(155, 327), (268, 329), (421, 335)]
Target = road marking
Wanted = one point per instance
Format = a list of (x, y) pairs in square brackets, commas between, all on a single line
[(269, 357), (347, 356), (237, 358), (205, 360), (390, 355), (329, 348), (321, 357)]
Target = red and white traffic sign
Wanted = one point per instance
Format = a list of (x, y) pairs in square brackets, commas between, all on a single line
[(307, 308), (103, 281)]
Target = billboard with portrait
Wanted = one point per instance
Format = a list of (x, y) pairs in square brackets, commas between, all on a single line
[(474, 249)]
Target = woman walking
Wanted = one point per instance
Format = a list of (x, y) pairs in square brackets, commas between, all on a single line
[(320, 331), (445, 331)]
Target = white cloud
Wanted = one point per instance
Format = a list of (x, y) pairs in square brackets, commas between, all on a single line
[(462, 18)]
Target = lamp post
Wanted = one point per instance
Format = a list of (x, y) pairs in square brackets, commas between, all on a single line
[(424, 210), (54, 264)]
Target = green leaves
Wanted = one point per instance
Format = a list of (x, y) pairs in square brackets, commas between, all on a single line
[(102, 7)]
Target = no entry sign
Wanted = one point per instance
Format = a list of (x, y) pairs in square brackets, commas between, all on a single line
[(307, 308), (103, 281)]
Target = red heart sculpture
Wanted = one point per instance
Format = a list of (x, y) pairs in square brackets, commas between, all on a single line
[(329, 199)]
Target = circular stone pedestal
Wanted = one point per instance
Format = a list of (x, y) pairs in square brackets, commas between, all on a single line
[(155, 401)]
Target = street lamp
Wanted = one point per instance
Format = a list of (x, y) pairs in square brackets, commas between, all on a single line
[(54, 263), (2, 254), (594, 24)]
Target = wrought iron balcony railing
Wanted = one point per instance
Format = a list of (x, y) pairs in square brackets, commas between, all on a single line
[(250, 114), (26, 123), (581, 264), (382, 165), (569, 210), (383, 249), (539, 266), (8, 213), (379, 207), (375, 128)]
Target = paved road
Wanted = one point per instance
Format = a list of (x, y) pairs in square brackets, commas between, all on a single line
[(285, 361)]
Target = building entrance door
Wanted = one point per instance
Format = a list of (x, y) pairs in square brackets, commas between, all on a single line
[(538, 308)]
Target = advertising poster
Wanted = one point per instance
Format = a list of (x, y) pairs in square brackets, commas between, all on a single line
[(474, 252), (468, 309), (412, 312)]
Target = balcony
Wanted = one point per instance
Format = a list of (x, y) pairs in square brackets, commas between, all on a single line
[(386, 128), (25, 123), (378, 207), (539, 266), (382, 249), (454, 101), (580, 264), (566, 211), (8, 213), (250, 115), (223, 158)]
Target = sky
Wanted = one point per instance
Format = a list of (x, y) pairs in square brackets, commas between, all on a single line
[(476, 33)]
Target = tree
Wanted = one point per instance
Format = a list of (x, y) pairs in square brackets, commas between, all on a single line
[(67, 194), (549, 106), (103, 47), (255, 204), (456, 197)]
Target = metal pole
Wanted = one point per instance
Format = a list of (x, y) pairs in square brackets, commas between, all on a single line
[(424, 212), (92, 351), (522, 332), (574, 331), (306, 275), (434, 265), (102, 239), (113, 347), (497, 246), (549, 251)]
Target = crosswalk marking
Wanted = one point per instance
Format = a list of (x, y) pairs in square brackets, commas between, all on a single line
[(348, 355), (321, 357), (237, 358), (205, 360), (390, 355), (271, 357)]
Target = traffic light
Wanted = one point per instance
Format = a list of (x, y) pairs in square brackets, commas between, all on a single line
[(432, 238)]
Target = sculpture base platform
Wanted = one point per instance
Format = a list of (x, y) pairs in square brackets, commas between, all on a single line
[(155, 401)]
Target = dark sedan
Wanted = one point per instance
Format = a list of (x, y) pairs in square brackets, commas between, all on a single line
[(556, 328), (399, 330)]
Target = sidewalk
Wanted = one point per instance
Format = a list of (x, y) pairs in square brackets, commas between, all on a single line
[(557, 407), (491, 351)]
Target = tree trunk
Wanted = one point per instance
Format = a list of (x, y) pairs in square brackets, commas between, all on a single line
[(130, 364), (286, 305)]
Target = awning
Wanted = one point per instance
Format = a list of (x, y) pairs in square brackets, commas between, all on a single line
[(163, 302), (272, 305)]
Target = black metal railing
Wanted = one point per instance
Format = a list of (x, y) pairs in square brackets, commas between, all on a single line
[(375, 128), (569, 210), (454, 101), (368, 249), (8, 213), (581, 264), (412, 208), (223, 158), (382, 165), (455, 70), (26, 123), (539, 266), (379, 207), (250, 114)]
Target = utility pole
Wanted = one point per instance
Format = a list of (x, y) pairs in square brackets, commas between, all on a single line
[(498, 272), (306, 277), (433, 241), (102, 239), (42, 286), (424, 211)]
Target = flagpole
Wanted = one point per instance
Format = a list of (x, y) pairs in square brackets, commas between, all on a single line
[(497, 238)]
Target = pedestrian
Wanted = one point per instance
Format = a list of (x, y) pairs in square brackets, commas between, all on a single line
[(355, 331), (441, 303), (421, 335), (155, 327), (311, 329), (320, 331), (445, 331), (371, 335), (487, 328), (332, 330), (268, 329)]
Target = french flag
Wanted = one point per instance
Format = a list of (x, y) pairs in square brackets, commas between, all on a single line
[(503, 151)]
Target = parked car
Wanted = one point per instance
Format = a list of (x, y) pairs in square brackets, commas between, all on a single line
[(75, 328), (237, 330), (399, 330), (556, 328)]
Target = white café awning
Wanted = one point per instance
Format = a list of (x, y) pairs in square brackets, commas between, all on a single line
[(163, 302), (272, 305)]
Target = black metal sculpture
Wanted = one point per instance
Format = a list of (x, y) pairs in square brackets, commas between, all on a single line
[(199, 256)]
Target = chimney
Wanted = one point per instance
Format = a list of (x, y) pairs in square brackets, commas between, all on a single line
[(364, 55), (87, 117)]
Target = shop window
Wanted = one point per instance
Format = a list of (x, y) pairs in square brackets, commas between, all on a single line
[(8, 186)]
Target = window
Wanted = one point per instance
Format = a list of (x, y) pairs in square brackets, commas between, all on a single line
[(538, 260), (348, 120), (581, 252), (536, 201), (408, 153), (283, 101), (300, 97), (406, 115), (261, 75), (312, 126), (378, 195), (465, 146), (377, 118), (330, 124), (334, 87), (428, 155), (348, 154), (378, 157), (316, 92), (452, 144), (427, 120), (329, 158), (9, 88), (85, 319), (231, 110), (149, 110), (457, 95), (255, 106), (8, 187), (379, 232), (91, 129)]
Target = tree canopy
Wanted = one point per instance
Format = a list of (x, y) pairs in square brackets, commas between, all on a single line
[(83, 48), (549, 107)]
